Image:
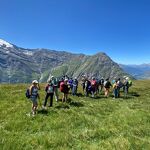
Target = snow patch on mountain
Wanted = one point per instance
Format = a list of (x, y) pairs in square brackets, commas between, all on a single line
[(29, 53), (5, 44)]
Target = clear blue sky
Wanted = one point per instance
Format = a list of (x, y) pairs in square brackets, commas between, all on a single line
[(120, 28)]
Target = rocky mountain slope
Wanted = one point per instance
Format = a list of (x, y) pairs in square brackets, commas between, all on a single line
[(23, 65)]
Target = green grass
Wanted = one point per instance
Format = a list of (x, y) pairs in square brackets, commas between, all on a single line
[(84, 123)]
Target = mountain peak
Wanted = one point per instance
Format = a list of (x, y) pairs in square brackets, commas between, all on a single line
[(5, 44)]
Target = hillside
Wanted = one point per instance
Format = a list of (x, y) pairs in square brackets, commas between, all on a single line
[(82, 123), (19, 65), (137, 71)]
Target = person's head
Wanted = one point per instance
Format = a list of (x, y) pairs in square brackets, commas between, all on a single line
[(127, 78), (75, 78), (93, 78), (66, 81), (118, 79), (35, 82), (52, 77), (49, 81)]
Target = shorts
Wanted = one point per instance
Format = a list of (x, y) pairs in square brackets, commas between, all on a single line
[(34, 100)]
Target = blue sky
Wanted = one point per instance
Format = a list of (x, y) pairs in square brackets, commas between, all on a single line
[(120, 28)]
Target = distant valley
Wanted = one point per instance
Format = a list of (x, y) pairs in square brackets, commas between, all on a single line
[(137, 71)]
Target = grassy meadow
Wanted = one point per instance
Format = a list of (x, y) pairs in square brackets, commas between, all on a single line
[(81, 124)]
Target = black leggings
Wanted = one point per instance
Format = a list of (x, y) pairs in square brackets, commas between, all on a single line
[(51, 99)]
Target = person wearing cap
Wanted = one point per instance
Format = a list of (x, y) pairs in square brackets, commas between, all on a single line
[(33, 90), (49, 93), (126, 86), (55, 83)]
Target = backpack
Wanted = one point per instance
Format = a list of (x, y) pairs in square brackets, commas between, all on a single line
[(50, 89), (62, 86), (106, 84), (28, 93), (120, 84), (130, 83), (93, 83)]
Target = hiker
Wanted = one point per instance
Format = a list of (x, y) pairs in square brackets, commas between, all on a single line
[(83, 82), (97, 86), (87, 87), (34, 95), (126, 86), (101, 83), (93, 85), (64, 89), (74, 86), (119, 86), (115, 89), (55, 84), (49, 89), (107, 86), (70, 82)]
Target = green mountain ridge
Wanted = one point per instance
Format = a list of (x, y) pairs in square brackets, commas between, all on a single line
[(19, 65)]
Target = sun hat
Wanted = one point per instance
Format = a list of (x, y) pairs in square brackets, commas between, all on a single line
[(35, 81)]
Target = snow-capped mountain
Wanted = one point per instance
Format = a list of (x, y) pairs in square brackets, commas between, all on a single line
[(5, 44), (23, 65)]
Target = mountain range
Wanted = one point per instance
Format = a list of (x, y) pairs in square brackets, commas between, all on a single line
[(21, 65), (137, 71)]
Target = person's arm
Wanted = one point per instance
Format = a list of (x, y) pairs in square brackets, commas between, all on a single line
[(30, 89), (46, 88), (39, 86)]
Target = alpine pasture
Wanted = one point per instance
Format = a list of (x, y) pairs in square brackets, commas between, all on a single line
[(82, 123)]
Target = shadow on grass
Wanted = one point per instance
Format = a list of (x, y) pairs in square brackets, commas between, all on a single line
[(62, 106), (80, 95), (74, 103), (43, 111), (135, 94)]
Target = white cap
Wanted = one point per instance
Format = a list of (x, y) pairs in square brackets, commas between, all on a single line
[(35, 81), (127, 78), (66, 79), (52, 77)]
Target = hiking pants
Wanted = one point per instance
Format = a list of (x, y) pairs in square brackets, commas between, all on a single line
[(51, 99), (74, 90), (56, 93), (116, 93)]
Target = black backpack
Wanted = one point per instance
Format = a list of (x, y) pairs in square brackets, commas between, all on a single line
[(28, 93)]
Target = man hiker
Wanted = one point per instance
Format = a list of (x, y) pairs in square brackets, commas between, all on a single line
[(55, 84), (49, 89), (107, 86)]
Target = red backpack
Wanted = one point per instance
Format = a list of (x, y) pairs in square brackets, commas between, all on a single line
[(93, 83), (62, 86)]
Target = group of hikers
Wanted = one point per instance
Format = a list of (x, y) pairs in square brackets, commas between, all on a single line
[(68, 85)]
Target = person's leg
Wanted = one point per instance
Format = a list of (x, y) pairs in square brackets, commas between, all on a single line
[(105, 92), (46, 98), (34, 105), (51, 100), (63, 98), (56, 93), (118, 92)]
